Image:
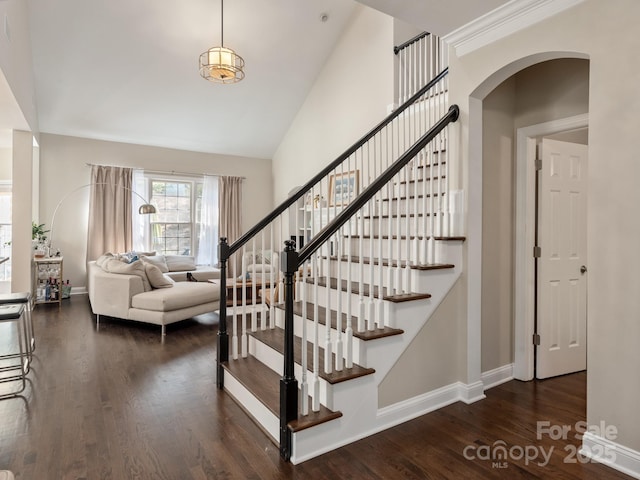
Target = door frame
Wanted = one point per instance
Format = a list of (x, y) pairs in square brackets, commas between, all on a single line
[(524, 301)]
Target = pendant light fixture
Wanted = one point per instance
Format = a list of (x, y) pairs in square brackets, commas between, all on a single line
[(221, 64)]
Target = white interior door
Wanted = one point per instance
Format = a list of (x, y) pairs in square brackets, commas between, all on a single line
[(562, 279)]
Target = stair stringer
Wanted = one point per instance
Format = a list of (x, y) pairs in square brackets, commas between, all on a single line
[(358, 399)]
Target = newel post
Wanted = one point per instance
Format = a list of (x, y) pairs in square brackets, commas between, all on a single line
[(288, 382), (223, 336)]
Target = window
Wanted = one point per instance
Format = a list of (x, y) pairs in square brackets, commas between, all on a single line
[(174, 229)]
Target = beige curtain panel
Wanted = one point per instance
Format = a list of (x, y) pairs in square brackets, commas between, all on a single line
[(110, 206), (230, 216)]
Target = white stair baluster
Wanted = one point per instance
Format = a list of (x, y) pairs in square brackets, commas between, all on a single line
[(316, 338), (234, 313), (304, 402)]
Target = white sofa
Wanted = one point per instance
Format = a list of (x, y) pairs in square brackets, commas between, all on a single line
[(129, 295)]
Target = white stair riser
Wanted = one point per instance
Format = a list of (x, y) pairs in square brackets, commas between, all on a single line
[(371, 247), (359, 348), (404, 205), (334, 265), (377, 226), (346, 298), (274, 360), (404, 188), (255, 407)]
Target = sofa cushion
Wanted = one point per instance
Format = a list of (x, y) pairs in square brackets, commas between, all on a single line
[(103, 258), (157, 260), (201, 273), (182, 295), (156, 277), (180, 263), (135, 268)]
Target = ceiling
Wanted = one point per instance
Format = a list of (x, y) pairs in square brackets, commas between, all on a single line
[(127, 71)]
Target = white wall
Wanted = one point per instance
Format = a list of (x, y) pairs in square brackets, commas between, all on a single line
[(349, 97), (613, 223), (5, 164), (15, 63), (63, 169)]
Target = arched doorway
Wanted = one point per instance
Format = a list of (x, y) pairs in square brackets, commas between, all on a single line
[(530, 91)]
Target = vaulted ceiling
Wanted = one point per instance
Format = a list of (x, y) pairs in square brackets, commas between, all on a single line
[(127, 71)]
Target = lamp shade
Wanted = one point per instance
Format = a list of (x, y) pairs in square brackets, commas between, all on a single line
[(221, 65), (146, 209)]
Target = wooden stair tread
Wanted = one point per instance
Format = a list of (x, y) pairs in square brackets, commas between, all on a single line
[(451, 239), (410, 197), (441, 177), (355, 289), (407, 297), (355, 286), (322, 319), (402, 215), (392, 237), (274, 338), (434, 164), (264, 384), (393, 263)]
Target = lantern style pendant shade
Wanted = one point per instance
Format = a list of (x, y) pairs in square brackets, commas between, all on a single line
[(221, 64)]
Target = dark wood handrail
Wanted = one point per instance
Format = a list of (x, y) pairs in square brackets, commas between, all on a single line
[(367, 194), (257, 228), (404, 45)]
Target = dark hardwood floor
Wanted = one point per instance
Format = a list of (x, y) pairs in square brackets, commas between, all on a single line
[(119, 404)]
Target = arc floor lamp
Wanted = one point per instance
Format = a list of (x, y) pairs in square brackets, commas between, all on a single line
[(145, 209)]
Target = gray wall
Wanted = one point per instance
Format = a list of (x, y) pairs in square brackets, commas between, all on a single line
[(613, 224), (432, 359), (543, 92)]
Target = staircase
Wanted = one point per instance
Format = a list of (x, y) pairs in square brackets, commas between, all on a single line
[(305, 349)]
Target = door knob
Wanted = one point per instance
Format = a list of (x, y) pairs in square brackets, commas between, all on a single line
[(583, 269)]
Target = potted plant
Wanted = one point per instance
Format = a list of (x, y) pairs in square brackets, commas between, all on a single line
[(39, 238)]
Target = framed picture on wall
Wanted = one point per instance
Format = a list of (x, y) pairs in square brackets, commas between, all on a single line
[(343, 187)]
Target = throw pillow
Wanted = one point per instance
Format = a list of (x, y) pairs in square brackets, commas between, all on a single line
[(156, 278), (146, 254), (127, 257), (180, 263), (134, 268), (157, 260)]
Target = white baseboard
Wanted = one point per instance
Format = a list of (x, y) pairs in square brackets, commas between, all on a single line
[(79, 290), (428, 402), (471, 393), (497, 376), (611, 454), (414, 407)]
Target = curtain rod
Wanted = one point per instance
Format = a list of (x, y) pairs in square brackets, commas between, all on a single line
[(163, 172)]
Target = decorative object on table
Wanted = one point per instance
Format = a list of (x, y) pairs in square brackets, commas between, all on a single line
[(39, 239), (343, 187)]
